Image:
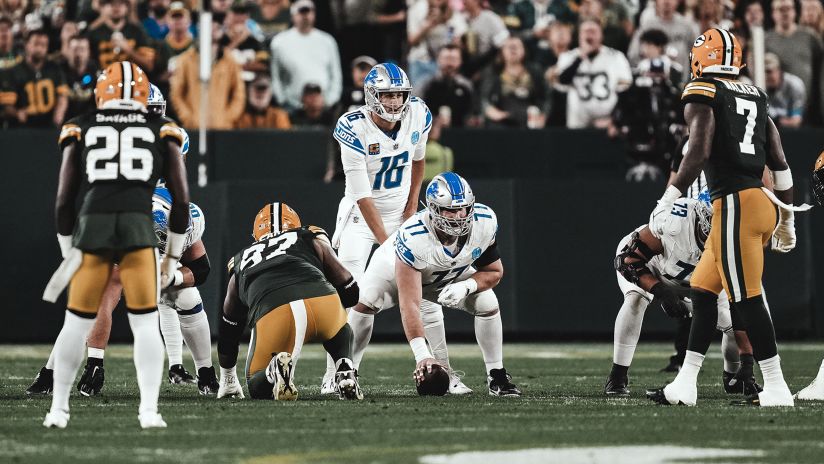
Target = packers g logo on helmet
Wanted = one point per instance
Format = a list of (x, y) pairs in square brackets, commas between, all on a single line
[(122, 80), (273, 219), (716, 51)]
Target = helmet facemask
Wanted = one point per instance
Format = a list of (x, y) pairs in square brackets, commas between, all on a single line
[(452, 226), (703, 222), (818, 186), (391, 114)]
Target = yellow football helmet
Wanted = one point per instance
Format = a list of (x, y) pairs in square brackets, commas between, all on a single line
[(273, 219), (716, 51), (122, 80)]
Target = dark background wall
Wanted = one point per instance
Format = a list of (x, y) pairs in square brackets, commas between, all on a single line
[(560, 197)]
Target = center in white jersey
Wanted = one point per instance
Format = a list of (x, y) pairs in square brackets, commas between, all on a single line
[(377, 164), (162, 206)]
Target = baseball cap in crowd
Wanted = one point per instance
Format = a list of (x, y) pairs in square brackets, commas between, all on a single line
[(178, 8), (301, 6), (311, 88), (364, 61)]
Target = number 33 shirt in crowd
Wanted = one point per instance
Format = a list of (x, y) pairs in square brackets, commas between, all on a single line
[(124, 151), (279, 269)]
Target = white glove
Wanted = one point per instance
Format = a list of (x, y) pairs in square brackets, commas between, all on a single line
[(65, 242), (453, 294), (662, 214), (783, 238), (168, 268), (229, 385)]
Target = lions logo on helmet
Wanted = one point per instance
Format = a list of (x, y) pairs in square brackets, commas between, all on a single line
[(449, 191), (387, 78), (156, 103)]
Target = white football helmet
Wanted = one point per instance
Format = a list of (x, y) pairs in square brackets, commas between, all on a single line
[(449, 191), (383, 78), (156, 103)]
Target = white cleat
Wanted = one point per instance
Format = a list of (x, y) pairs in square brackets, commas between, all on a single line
[(151, 420), (57, 419), (328, 385), (229, 386), (674, 393), (284, 389), (776, 397), (812, 392), (456, 386)]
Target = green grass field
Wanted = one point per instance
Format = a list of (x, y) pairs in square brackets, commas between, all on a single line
[(562, 407)]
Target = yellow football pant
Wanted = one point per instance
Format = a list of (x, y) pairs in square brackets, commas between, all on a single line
[(138, 273)]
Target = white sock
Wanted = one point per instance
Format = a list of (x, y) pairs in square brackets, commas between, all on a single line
[(50, 362), (148, 358), (821, 371), (690, 369), (96, 353), (729, 349), (198, 337), (68, 355), (489, 331), (771, 371), (628, 328), (361, 325), (172, 335)]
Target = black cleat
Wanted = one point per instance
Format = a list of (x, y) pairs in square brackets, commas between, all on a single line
[(91, 382), (674, 364), (179, 374), (346, 380), (734, 385), (749, 400), (42, 384), (657, 395), (616, 385), (206, 381), (500, 383)]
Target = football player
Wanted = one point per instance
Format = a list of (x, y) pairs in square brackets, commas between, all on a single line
[(288, 287), (119, 150), (446, 253), (654, 270), (383, 144), (730, 133)]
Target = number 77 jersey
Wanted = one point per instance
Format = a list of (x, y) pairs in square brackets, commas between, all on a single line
[(739, 145)]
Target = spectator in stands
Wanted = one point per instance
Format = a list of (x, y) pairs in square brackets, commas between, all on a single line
[(81, 76), (748, 14), (513, 95), (313, 111), (227, 94), (180, 37), (709, 14), (10, 55), (355, 28), (592, 75), (653, 47), (304, 54), (614, 25), (248, 50), (40, 83), (430, 25), (449, 94), (560, 39), (16, 11), (680, 30), (390, 31), (799, 48), (531, 18), (485, 35), (261, 110), (156, 21), (68, 30), (272, 16), (118, 39), (812, 16), (786, 91), (353, 96)]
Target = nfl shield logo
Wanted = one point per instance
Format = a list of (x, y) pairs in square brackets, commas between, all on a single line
[(374, 148), (415, 137), (476, 253)]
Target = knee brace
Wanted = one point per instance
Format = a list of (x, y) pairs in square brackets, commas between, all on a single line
[(188, 301)]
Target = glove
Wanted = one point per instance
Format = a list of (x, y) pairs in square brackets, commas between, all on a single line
[(744, 380), (453, 294), (65, 242), (662, 214), (229, 386), (168, 268), (783, 238), (669, 301)]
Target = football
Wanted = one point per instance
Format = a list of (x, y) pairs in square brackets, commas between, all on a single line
[(434, 383)]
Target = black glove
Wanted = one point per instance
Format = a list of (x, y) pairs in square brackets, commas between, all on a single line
[(666, 298)]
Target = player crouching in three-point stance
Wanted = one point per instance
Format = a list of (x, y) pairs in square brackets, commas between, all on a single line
[(445, 253), (731, 133), (120, 150), (290, 286)]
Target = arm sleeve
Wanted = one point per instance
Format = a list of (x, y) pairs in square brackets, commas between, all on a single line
[(420, 148), (357, 178)]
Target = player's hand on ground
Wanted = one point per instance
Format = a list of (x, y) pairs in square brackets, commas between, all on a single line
[(168, 267), (424, 366), (453, 294), (229, 386), (669, 301), (783, 238)]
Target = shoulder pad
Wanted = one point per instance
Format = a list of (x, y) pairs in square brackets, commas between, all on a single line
[(231, 265), (699, 91), (345, 132), (172, 131), (319, 234)]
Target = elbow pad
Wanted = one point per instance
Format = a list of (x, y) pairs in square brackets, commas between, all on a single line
[(200, 269), (228, 337), (349, 293), (629, 263)]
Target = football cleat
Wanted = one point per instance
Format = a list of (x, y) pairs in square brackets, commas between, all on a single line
[(456, 385), (616, 385), (42, 384), (57, 419), (768, 398), (207, 381), (346, 379), (812, 392), (674, 364), (500, 383), (178, 375), (151, 420), (280, 368), (673, 394), (91, 381), (736, 386), (328, 386)]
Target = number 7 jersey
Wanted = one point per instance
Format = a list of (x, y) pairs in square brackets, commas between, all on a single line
[(739, 145)]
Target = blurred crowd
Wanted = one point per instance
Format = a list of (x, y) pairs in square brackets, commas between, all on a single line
[(617, 65)]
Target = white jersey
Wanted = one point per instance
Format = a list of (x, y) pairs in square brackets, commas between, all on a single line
[(699, 189), (594, 89), (377, 165), (162, 206)]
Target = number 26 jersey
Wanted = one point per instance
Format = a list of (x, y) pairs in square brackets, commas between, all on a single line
[(123, 153)]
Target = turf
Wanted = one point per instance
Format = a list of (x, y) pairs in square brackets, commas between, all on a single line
[(562, 406)]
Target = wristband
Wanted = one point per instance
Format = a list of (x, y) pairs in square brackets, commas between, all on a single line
[(471, 285), (670, 195), (65, 242), (783, 179), (420, 349), (177, 279), (230, 372), (174, 244)]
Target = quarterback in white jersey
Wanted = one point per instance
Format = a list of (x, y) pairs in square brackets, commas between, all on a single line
[(447, 254), (383, 145)]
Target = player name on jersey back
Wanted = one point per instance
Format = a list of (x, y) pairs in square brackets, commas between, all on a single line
[(121, 118)]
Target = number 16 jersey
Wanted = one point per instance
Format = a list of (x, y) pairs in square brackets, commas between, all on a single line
[(739, 145), (123, 153)]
